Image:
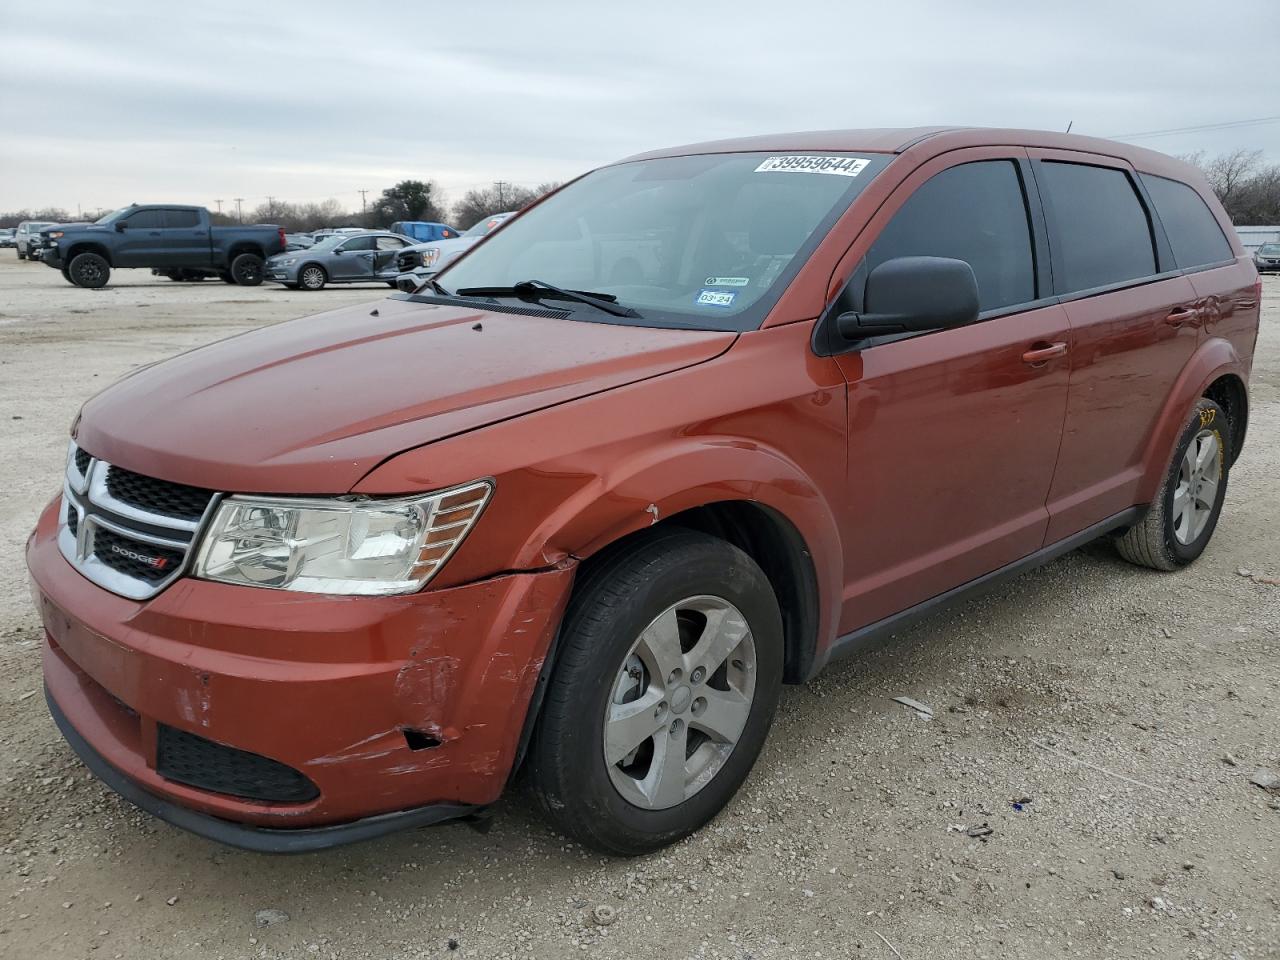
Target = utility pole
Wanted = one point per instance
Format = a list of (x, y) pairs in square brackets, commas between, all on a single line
[(239, 214), (500, 184), (219, 203), (363, 205), (271, 208)]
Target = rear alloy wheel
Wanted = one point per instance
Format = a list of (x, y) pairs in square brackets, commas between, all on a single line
[(247, 270), (662, 695), (312, 277), (89, 270), (1185, 511)]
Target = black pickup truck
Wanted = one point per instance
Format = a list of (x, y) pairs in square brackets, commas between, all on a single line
[(174, 240)]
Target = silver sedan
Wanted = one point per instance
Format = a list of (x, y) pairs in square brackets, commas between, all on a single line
[(341, 258)]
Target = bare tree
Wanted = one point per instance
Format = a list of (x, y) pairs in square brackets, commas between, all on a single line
[(478, 204), (1247, 189)]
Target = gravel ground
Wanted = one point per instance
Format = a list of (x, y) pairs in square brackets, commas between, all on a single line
[(1126, 710)]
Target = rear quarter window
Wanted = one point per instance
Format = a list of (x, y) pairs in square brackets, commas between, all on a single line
[(1098, 226), (1193, 231)]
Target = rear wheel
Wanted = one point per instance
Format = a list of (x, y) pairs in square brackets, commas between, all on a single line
[(247, 269), (89, 270), (663, 693), (312, 277), (21, 255), (226, 277), (1185, 511)]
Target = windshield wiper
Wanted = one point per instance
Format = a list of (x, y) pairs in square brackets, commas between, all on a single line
[(540, 290)]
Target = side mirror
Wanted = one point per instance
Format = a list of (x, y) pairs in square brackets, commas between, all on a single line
[(121, 226), (337, 250), (912, 294)]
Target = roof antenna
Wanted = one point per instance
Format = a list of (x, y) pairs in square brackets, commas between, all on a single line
[(1069, 123)]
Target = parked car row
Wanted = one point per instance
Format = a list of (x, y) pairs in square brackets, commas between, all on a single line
[(1267, 257)]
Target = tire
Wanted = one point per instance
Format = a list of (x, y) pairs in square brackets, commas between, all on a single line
[(1171, 535), (66, 274), (21, 255), (312, 277), (174, 275), (89, 270), (248, 270), (607, 661), (392, 284), (226, 277)]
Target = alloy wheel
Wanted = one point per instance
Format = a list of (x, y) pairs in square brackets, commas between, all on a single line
[(1197, 489), (680, 702), (313, 278)]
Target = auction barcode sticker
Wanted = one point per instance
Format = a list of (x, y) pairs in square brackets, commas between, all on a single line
[(796, 163)]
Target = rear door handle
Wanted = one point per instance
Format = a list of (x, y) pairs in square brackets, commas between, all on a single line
[(1182, 315), (1041, 353)]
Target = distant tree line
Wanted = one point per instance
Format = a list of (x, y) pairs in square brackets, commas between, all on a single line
[(1248, 188), (407, 200)]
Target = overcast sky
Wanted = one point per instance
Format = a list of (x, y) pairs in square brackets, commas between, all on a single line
[(104, 103)]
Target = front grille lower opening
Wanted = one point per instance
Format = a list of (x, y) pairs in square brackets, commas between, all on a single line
[(196, 762)]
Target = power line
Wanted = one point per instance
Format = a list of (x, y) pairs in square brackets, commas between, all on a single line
[(239, 213), (1225, 125), (363, 205), (500, 184), (219, 203)]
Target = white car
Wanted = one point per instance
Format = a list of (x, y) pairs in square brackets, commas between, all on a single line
[(27, 238), (415, 264)]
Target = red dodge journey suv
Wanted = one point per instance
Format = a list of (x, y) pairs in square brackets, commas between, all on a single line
[(688, 429)]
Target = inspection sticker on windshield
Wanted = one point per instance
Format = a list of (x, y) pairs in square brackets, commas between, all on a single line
[(715, 298), (840, 166), (726, 281)]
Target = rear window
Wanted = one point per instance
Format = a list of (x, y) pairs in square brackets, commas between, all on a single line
[(1098, 226), (181, 219), (1193, 231)]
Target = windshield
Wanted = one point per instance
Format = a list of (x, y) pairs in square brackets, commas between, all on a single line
[(113, 215), (1270, 249), (707, 241), (485, 225)]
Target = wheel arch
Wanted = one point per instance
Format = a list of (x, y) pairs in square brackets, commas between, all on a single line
[(1214, 365), (88, 246), (244, 246), (1228, 391)]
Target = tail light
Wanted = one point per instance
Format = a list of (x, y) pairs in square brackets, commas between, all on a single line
[(283, 243)]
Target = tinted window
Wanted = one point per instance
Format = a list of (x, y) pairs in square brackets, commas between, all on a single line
[(181, 219), (146, 220), (1193, 231), (976, 213), (1099, 227), (359, 243)]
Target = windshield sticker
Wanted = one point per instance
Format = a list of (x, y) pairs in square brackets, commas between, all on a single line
[(726, 281), (840, 166), (715, 298)]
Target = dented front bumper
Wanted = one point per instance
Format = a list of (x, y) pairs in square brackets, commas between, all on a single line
[(386, 705)]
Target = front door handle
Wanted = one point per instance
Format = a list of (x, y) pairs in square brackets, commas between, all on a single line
[(1042, 352), (1182, 315)]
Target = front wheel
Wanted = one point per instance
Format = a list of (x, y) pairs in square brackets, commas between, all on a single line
[(312, 277), (21, 255), (247, 269), (66, 274), (1185, 511), (89, 270), (662, 695)]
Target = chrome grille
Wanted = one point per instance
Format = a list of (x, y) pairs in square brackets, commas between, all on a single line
[(126, 532)]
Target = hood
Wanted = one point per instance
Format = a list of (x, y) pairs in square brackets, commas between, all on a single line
[(312, 405), (73, 226)]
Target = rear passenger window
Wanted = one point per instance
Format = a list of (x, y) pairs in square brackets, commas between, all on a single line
[(1098, 226), (976, 213), (1193, 231), (181, 219)]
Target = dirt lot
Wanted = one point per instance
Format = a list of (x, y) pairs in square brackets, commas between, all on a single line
[(1130, 707)]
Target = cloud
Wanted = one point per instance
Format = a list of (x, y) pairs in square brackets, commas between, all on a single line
[(105, 104)]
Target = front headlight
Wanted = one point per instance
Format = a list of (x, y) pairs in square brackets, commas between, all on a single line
[(338, 546), (287, 262), (54, 235), (430, 256)]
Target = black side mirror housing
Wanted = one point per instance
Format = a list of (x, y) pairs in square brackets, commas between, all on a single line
[(121, 226), (913, 294)]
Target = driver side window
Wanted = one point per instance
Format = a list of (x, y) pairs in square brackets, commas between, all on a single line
[(358, 244), (975, 212)]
